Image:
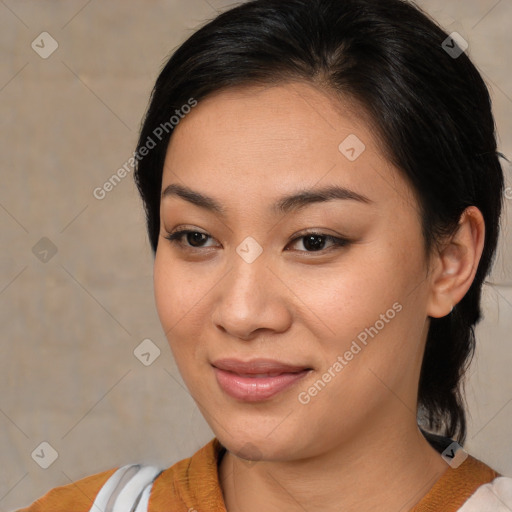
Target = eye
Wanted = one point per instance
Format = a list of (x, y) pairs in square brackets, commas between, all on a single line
[(316, 242), (194, 239)]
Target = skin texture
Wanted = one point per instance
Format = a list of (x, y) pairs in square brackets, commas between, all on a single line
[(355, 445)]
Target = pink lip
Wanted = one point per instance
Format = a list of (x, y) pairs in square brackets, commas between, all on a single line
[(240, 379)]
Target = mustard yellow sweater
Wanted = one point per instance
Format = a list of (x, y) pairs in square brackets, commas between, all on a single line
[(193, 484)]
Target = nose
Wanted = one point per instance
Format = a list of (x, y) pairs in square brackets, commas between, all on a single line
[(251, 301)]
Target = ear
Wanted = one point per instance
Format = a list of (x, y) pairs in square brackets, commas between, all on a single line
[(456, 263)]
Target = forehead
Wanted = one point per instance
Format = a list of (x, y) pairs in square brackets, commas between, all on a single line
[(280, 116), (261, 140)]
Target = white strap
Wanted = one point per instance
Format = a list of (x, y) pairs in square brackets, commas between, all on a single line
[(103, 497), (134, 488), (129, 487), (495, 496), (144, 500)]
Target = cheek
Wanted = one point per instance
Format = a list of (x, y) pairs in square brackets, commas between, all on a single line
[(340, 298), (180, 297), (349, 298), (164, 284), (355, 291), (175, 293)]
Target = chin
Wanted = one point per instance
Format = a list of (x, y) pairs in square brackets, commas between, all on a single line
[(259, 446)]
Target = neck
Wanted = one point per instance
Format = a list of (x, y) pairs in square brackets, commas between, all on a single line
[(383, 470)]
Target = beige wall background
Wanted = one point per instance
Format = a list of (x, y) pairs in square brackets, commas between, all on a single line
[(71, 317)]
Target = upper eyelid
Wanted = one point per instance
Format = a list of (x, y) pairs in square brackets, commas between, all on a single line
[(307, 231), (318, 232)]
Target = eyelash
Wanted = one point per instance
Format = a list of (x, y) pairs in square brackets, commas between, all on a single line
[(176, 239)]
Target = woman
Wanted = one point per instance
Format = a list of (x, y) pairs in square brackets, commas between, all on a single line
[(323, 195)]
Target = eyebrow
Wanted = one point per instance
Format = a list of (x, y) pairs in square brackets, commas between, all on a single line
[(285, 204)]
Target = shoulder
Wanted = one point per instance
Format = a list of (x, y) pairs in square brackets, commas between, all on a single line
[(492, 496), (192, 480), (122, 487), (77, 496), (463, 482)]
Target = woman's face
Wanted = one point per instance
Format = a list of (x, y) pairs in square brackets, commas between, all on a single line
[(296, 312)]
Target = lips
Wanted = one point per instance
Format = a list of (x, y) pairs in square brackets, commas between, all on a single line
[(258, 379)]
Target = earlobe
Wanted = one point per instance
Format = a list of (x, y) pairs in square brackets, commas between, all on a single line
[(456, 264)]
